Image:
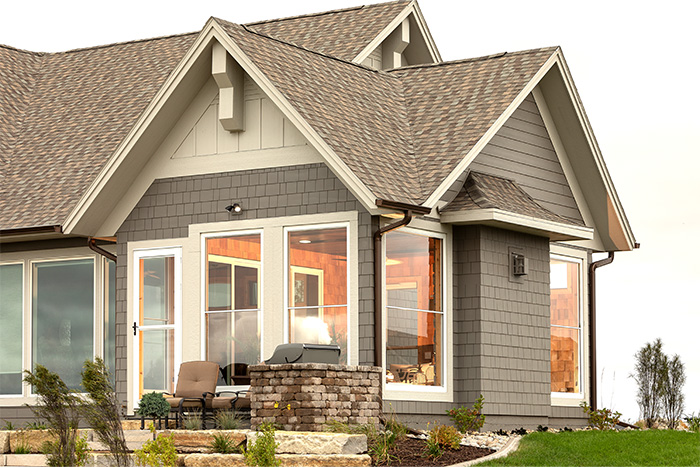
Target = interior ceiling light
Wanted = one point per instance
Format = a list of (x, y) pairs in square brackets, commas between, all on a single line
[(393, 262), (304, 241)]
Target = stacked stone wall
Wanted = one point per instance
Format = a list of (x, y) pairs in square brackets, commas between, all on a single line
[(304, 396)]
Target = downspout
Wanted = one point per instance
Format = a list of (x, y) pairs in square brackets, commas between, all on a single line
[(592, 326), (408, 212), (93, 246)]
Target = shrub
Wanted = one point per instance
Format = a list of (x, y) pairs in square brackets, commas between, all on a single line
[(101, 410), (35, 426), (432, 449), (601, 419), (58, 405), (542, 429), (447, 437), (8, 426), (466, 419), (649, 375), (693, 422), (153, 405), (223, 444), (227, 420), (160, 451), (82, 452), (380, 445), (262, 451), (672, 398)]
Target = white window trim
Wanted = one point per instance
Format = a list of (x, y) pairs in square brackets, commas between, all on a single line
[(136, 255), (203, 295), (298, 228), (576, 255), (406, 392), (23, 349), (27, 259)]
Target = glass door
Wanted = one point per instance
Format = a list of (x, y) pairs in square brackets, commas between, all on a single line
[(157, 304)]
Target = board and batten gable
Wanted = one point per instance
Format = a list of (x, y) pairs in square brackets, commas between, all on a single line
[(522, 151)]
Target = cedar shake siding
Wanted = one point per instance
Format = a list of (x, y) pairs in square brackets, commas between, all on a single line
[(170, 205)]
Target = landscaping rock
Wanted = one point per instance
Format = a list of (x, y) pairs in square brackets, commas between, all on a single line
[(4, 442), (313, 460), (200, 441), (299, 442), (286, 460), (25, 460), (35, 439), (214, 460), (136, 438)]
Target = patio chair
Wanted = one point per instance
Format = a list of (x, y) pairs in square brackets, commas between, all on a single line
[(196, 383)]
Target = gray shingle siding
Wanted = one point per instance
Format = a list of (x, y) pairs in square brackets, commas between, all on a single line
[(170, 205)]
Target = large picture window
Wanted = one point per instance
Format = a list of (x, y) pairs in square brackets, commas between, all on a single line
[(232, 304), (63, 300), (414, 309), (317, 298), (11, 329), (565, 294)]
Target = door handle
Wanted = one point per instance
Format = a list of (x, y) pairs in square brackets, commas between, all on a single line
[(135, 327)]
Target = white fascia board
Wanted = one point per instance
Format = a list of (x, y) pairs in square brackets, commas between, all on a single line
[(137, 130), (336, 164), (595, 149), (572, 232), (422, 25), (434, 198)]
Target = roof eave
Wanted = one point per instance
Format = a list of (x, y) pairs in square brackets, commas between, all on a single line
[(555, 231)]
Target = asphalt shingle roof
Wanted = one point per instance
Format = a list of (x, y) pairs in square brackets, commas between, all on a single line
[(339, 33), (484, 191), (400, 132)]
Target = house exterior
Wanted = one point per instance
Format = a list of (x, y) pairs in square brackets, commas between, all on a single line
[(324, 178)]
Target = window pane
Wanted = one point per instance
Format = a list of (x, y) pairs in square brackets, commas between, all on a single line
[(158, 359), (565, 360), (11, 329), (63, 317), (157, 291), (414, 347), (233, 283), (413, 271), (318, 267), (320, 326), (109, 318), (564, 280), (233, 273), (234, 343)]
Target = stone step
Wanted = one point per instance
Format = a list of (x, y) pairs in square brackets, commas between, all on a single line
[(286, 460), (311, 442)]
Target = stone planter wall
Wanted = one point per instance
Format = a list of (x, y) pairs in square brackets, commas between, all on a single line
[(304, 396)]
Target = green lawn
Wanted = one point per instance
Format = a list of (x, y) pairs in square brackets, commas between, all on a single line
[(603, 448)]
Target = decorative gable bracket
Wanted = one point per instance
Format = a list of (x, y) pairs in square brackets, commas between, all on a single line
[(229, 77)]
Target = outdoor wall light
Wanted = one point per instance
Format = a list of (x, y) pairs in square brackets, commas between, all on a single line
[(234, 208)]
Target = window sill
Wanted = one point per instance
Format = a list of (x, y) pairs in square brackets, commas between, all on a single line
[(404, 392), (567, 400)]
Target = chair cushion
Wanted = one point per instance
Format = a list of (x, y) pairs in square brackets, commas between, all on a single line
[(196, 378), (175, 402)]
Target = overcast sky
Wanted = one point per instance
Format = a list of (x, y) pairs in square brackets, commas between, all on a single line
[(635, 65)]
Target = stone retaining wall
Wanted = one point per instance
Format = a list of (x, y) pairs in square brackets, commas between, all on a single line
[(304, 396)]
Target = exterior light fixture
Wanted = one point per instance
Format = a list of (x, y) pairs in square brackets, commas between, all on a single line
[(234, 208)]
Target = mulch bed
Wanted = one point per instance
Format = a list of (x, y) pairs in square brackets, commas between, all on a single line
[(409, 452)]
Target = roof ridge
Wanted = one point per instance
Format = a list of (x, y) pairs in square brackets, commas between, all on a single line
[(329, 12), (103, 46), (296, 46), (471, 60)]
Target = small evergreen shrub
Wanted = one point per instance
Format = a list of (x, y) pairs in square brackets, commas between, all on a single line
[(468, 419), (223, 444), (262, 452), (601, 419), (153, 405), (542, 429), (158, 452)]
